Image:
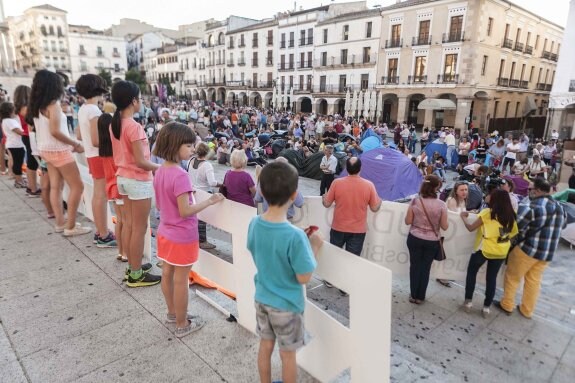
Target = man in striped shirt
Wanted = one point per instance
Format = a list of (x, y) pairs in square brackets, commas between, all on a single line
[(540, 223)]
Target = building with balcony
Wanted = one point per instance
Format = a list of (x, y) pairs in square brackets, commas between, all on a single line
[(40, 40), (562, 100), (91, 52), (251, 54), (492, 60), (169, 65), (143, 43), (345, 58)]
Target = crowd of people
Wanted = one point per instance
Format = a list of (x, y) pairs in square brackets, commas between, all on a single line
[(135, 158)]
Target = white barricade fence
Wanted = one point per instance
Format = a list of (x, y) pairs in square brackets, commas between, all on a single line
[(364, 346), (386, 238)]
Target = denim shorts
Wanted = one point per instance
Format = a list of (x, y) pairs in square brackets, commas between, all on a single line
[(285, 326), (135, 190)]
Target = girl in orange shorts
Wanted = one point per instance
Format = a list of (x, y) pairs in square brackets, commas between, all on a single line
[(177, 236)]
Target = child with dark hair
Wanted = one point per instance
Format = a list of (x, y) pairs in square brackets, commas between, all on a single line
[(13, 131), (131, 152), (92, 87), (21, 100), (178, 238), (439, 168), (105, 152), (284, 261)]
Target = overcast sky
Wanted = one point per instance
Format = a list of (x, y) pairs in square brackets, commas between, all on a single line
[(171, 13)]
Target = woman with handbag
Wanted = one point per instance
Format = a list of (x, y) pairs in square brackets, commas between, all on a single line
[(497, 225), (426, 215)]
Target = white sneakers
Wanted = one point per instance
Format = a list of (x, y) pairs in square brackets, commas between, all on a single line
[(77, 230)]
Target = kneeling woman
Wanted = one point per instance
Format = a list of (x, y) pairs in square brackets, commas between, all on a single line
[(497, 225)]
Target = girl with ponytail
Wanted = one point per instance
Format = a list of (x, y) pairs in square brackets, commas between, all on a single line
[(131, 152)]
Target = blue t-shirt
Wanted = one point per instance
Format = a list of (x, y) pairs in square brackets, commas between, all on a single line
[(280, 251)]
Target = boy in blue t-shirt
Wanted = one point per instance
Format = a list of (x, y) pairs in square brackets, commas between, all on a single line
[(284, 259)]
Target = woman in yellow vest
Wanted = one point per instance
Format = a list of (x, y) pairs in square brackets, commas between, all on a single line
[(497, 225)]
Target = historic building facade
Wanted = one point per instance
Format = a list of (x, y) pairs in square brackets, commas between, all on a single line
[(489, 61)]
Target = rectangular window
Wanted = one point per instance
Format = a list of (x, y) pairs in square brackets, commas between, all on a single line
[(392, 70), (512, 74), (291, 82), (254, 59), (495, 109), (536, 41), (325, 36), (528, 38), (507, 108), (282, 62), (270, 58), (364, 81), (310, 36), (254, 79), (483, 65), (396, 33), (342, 83), (450, 68), (99, 51), (302, 37), (323, 61), (283, 41), (291, 59), (322, 83), (345, 32), (368, 29), (517, 109), (419, 69), (539, 75), (302, 60), (291, 39), (309, 59), (301, 82), (522, 72), (456, 28), (424, 31), (366, 55), (531, 73), (501, 67), (309, 82), (343, 56), (270, 37), (489, 26), (255, 40)]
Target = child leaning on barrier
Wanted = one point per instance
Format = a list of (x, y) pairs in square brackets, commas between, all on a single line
[(284, 259), (177, 236)]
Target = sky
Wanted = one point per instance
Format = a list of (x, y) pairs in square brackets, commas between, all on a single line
[(171, 13)]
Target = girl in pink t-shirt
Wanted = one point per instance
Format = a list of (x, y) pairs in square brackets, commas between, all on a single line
[(177, 236)]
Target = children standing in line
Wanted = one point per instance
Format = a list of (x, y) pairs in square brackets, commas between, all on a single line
[(284, 261), (13, 131), (92, 87), (177, 236), (111, 187)]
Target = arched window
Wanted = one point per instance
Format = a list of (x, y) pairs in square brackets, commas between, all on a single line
[(221, 39), (43, 30), (51, 30), (210, 41)]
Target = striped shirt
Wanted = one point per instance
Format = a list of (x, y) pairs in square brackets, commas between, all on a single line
[(540, 223)]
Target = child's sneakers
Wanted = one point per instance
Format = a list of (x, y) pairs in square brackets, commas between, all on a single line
[(107, 241), (77, 230), (193, 326)]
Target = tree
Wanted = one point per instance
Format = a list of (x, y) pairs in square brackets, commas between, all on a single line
[(136, 76), (107, 76), (170, 89)]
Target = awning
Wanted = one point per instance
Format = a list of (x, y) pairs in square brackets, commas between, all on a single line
[(529, 106), (436, 104)]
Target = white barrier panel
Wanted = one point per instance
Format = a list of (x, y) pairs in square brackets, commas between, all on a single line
[(385, 242), (365, 346), (85, 206)]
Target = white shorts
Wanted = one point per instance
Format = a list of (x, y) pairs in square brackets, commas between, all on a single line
[(135, 190)]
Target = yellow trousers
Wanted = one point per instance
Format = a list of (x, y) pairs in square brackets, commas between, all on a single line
[(521, 266)]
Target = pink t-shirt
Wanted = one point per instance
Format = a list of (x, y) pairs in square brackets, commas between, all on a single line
[(420, 227), (123, 154), (169, 183)]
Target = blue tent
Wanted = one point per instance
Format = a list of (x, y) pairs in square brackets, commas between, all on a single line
[(393, 174), (441, 148), (370, 143)]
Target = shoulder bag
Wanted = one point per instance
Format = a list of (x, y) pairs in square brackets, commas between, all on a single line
[(440, 256)]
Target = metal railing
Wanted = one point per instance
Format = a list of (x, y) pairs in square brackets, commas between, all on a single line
[(417, 79), (514, 83), (241, 63), (421, 40), (231, 64), (286, 66), (448, 78), (394, 43), (389, 80), (282, 44), (524, 84), (241, 44), (270, 41), (519, 46), (503, 81), (306, 64), (507, 43), (544, 87), (453, 37), (306, 41), (528, 50)]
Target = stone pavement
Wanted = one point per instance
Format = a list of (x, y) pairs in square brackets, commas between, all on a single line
[(66, 316)]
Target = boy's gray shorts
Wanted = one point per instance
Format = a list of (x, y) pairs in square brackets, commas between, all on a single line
[(285, 326)]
